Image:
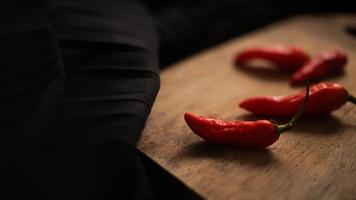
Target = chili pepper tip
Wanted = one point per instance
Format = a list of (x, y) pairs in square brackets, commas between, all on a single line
[(288, 126)]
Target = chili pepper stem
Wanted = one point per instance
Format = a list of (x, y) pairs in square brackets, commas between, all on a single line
[(288, 126), (350, 98)]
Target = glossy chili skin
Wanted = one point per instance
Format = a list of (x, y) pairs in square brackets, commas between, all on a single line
[(323, 99), (242, 134), (287, 58), (320, 66)]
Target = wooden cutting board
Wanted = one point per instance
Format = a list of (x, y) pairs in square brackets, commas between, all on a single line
[(316, 160)]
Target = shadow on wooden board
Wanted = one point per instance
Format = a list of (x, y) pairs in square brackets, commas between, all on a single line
[(164, 185)]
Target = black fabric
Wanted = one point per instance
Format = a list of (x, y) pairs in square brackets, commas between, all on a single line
[(31, 84), (74, 137), (111, 82), (124, 22), (104, 106)]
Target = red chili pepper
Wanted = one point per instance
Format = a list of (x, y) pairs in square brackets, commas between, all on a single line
[(323, 99), (284, 57), (322, 65), (242, 134)]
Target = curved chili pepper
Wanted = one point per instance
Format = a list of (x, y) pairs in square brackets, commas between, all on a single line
[(287, 58), (242, 134), (322, 65), (323, 99)]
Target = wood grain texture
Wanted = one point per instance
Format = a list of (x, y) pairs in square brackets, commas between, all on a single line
[(316, 160)]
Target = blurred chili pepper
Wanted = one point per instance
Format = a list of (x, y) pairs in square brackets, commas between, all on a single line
[(323, 99), (322, 65), (242, 134), (288, 58)]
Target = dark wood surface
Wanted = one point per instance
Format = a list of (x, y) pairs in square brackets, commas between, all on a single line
[(316, 160)]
